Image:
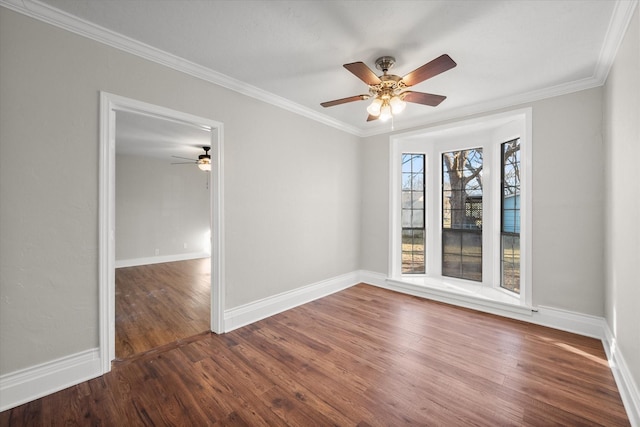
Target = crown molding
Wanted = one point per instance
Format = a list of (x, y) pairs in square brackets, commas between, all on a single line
[(66, 21), (618, 24), (620, 19), (492, 105)]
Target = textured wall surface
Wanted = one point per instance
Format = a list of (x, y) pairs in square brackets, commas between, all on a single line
[(568, 266), (622, 137), (160, 207), (292, 201)]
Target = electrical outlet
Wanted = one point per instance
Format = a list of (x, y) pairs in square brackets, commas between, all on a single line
[(185, 245), (157, 251)]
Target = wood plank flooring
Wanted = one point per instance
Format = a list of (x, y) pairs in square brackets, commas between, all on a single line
[(161, 303), (362, 357)]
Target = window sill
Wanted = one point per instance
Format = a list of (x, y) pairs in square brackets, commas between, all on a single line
[(459, 292)]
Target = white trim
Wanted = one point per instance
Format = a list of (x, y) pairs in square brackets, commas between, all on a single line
[(134, 262), (216, 207), (257, 310), (629, 391), (458, 299), (487, 132), (372, 278), (106, 231), (569, 321), (74, 24), (620, 19), (32, 383), (109, 104), (37, 381), (513, 101)]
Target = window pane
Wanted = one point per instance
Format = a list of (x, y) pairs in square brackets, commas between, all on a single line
[(406, 181), (417, 220), (472, 268), (451, 265), (472, 244), (451, 243), (412, 215), (406, 218), (417, 163), (406, 200), (417, 198), (510, 221), (462, 209), (511, 263), (413, 251)]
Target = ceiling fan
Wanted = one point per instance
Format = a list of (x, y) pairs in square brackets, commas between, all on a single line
[(203, 161), (389, 91)]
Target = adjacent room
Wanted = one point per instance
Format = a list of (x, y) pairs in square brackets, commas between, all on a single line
[(163, 245), (319, 213)]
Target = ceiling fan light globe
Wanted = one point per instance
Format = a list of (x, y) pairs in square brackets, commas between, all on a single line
[(374, 108), (204, 164), (397, 105), (385, 113)]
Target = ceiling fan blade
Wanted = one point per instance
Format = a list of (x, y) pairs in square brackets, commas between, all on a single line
[(364, 73), (185, 163), (428, 70), (423, 98), (372, 118), (185, 158), (344, 100)]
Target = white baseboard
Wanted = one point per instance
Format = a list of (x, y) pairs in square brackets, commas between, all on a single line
[(134, 262), (37, 381), (372, 278), (569, 321), (462, 300), (257, 310), (32, 383), (626, 385), (582, 324)]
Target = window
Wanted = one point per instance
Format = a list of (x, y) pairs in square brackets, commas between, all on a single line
[(459, 216), (462, 214), (413, 230), (510, 221)]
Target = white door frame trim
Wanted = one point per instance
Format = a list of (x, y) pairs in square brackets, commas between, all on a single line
[(109, 104)]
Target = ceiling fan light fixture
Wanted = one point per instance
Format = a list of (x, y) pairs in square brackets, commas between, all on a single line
[(374, 108), (397, 105), (385, 112), (388, 90), (204, 160), (204, 165)]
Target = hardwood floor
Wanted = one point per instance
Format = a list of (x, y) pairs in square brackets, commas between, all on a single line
[(364, 356), (161, 303)]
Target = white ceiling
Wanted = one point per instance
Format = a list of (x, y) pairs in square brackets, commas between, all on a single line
[(291, 53), (144, 135)]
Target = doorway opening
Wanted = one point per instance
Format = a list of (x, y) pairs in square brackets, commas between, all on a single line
[(203, 241)]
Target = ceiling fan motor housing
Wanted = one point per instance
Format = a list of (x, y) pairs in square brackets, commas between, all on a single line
[(206, 153), (385, 63)]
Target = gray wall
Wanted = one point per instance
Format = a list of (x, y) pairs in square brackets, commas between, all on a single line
[(292, 203), (622, 124), (159, 206), (303, 202), (568, 268)]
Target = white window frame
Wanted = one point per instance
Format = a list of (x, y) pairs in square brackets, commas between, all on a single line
[(489, 133)]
